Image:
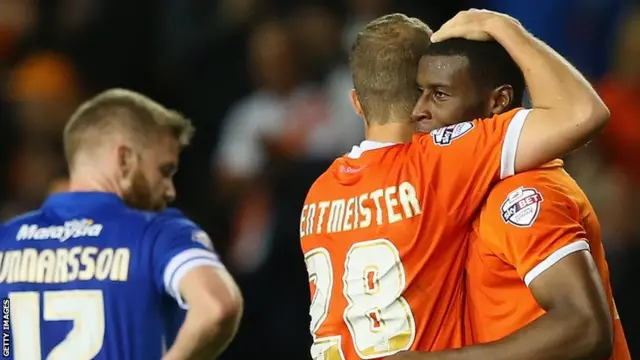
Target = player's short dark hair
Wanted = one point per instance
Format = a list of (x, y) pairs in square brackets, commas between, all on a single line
[(384, 64), (125, 112), (490, 65)]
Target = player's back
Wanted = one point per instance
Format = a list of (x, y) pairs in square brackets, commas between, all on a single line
[(384, 231), (79, 276), (518, 238), (370, 231)]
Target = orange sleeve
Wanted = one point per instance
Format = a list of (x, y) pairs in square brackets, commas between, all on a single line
[(531, 224), (467, 158)]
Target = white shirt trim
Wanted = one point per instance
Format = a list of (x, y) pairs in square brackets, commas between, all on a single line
[(181, 264), (510, 144), (556, 256), (367, 145)]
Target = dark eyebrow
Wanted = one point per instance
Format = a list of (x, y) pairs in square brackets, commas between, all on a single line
[(435, 85)]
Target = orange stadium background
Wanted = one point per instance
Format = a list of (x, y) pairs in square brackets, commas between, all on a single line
[(266, 83)]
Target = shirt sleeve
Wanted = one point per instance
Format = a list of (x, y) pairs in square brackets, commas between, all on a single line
[(466, 159), (179, 246), (532, 224)]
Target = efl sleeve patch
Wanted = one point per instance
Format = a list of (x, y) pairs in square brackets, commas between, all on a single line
[(522, 207), (179, 245), (202, 238), (446, 135)]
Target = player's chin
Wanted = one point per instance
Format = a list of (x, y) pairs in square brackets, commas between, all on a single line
[(426, 126)]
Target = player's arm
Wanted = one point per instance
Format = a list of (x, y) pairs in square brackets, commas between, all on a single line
[(577, 322), (535, 225), (187, 269), (566, 112), (532, 225), (213, 315), (576, 325)]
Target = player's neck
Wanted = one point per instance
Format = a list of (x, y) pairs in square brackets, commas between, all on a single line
[(394, 132), (80, 183)]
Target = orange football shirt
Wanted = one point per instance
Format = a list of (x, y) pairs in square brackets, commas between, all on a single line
[(529, 222), (384, 232)]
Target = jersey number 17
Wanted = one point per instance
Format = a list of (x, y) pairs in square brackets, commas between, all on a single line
[(84, 307)]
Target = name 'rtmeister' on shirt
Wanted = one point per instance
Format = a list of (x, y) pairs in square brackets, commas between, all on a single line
[(378, 207)]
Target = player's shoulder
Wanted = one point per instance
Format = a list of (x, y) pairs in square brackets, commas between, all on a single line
[(170, 219), (443, 137), (448, 135), (465, 132), (328, 179), (135, 219), (518, 200), (551, 178), (171, 223), (28, 217), (518, 114), (14, 224)]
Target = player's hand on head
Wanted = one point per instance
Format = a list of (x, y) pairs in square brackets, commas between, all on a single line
[(472, 24)]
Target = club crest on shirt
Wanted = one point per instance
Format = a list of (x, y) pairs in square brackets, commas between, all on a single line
[(446, 135), (202, 238), (522, 207)]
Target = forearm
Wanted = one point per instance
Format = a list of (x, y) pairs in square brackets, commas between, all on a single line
[(200, 339), (552, 81), (553, 336)]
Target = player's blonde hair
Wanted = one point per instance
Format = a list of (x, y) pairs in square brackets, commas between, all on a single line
[(129, 113), (384, 64)]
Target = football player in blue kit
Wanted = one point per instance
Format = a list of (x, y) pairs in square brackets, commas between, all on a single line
[(103, 271)]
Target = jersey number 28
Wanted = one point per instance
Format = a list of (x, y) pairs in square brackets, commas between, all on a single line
[(84, 307), (378, 317)]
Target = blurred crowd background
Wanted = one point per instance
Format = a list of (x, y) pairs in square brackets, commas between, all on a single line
[(266, 84)]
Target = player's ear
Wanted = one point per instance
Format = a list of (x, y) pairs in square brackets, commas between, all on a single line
[(355, 102), (127, 161), (500, 99)]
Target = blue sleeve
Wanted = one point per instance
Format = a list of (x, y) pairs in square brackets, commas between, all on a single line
[(179, 246)]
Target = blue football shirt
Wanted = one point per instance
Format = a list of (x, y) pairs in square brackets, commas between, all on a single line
[(86, 277)]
